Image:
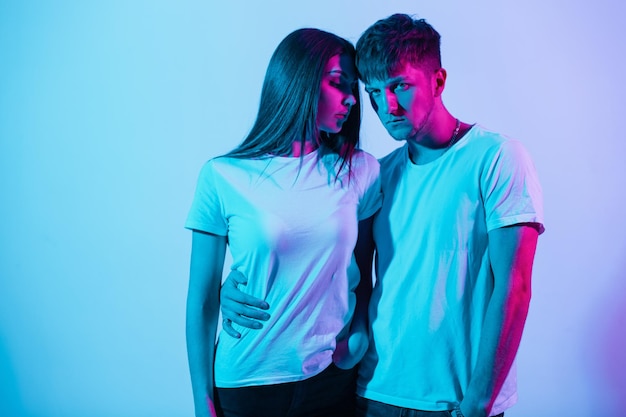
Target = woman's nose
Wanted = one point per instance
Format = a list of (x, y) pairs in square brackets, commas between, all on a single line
[(350, 100)]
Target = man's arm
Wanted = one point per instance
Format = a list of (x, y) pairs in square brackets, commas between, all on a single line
[(511, 251), (247, 311), (207, 261), (364, 255), (350, 351), (239, 307)]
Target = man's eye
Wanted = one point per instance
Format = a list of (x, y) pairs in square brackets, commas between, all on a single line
[(373, 93), (401, 87)]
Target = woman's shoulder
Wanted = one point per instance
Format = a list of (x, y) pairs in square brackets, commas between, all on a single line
[(364, 158), (225, 162), (225, 167), (364, 166)]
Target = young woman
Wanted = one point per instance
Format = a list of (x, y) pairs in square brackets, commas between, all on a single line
[(287, 202)]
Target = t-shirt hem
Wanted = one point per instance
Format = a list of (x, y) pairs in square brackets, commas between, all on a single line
[(403, 402), (501, 407), (220, 383), (513, 220)]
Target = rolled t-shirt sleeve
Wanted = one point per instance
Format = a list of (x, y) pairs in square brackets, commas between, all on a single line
[(511, 189), (207, 212)]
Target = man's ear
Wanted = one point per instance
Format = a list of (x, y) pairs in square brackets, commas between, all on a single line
[(439, 82)]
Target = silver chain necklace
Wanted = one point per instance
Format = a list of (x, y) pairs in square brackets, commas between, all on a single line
[(454, 134)]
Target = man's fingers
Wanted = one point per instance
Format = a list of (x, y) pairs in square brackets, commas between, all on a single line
[(251, 301), (230, 295), (228, 328), (251, 313), (244, 315), (235, 277), (247, 322), (239, 307)]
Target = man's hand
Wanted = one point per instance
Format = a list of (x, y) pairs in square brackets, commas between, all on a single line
[(238, 307), (351, 350)]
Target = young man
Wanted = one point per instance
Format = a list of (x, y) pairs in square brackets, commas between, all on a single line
[(455, 242)]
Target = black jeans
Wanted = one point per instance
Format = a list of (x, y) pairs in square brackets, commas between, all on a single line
[(370, 408), (328, 394)]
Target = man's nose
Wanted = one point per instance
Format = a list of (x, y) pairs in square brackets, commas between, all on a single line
[(390, 103)]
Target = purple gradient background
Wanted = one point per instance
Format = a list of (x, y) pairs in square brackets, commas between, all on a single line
[(108, 110)]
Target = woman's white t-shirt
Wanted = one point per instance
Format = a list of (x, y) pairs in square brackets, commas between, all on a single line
[(291, 228)]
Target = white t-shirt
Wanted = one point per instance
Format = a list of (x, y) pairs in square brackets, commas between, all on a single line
[(291, 230), (434, 276)]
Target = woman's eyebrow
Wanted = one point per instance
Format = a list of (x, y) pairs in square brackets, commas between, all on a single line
[(341, 74)]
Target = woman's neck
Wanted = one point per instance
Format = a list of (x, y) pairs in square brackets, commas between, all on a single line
[(299, 149)]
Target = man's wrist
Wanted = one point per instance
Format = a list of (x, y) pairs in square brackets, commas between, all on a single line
[(456, 412)]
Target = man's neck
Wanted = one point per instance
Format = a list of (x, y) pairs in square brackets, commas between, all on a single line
[(425, 149)]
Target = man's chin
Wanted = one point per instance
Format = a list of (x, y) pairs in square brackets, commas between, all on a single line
[(399, 134)]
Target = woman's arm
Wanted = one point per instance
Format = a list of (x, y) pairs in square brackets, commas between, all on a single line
[(207, 261)]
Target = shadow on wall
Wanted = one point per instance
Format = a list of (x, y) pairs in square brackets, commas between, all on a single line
[(607, 359), (10, 398)]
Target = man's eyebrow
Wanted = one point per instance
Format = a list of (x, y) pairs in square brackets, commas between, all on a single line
[(389, 81), (395, 80)]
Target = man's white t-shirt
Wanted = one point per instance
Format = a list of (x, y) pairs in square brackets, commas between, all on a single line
[(434, 278)]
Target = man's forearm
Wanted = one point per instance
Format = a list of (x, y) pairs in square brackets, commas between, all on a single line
[(512, 252), (501, 336)]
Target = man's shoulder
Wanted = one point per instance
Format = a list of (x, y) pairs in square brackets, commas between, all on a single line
[(489, 143), (394, 158), (486, 137)]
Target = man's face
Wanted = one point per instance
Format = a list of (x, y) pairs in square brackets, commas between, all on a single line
[(404, 101)]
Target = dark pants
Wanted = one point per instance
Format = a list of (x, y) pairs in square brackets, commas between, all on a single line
[(328, 394), (370, 408)]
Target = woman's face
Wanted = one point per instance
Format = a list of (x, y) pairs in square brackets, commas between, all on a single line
[(336, 96)]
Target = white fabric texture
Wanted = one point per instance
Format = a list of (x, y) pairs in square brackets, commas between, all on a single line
[(434, 277), (291, 230)]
